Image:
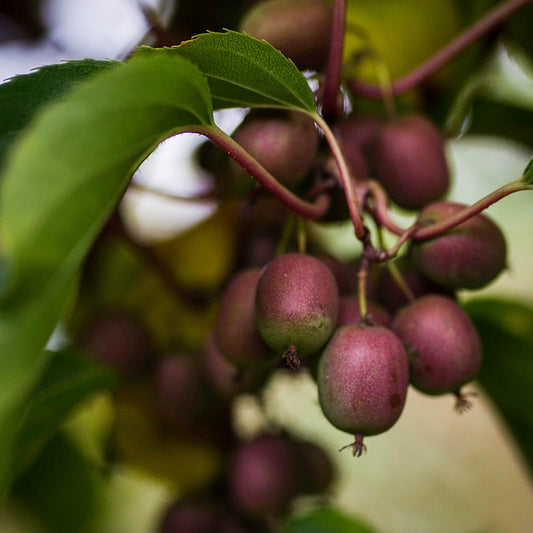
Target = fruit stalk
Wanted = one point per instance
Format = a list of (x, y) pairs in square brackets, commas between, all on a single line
[(485, 25), (433, 230), (345, 176), (334, 65), (314, 210)]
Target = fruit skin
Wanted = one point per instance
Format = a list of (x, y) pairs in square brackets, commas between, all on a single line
[(300, 29), (363, 376), (297, 302), (284, 142), (263, 475), (442, 344), (226, 379), (408, 155), (316, 471), (235, 331), (468, 256)]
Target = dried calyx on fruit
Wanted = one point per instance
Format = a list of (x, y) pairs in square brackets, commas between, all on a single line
[(363, 376)]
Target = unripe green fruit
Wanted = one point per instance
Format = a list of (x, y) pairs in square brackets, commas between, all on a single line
[(236, 332), (409, 159), (284, 142), (300, 29), (297, 302), (363, 376), (468, 256), (442, 344)]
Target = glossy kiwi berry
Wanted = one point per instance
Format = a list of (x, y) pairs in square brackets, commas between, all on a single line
[(284, 142), (296, 305), (300, 29), (468, 256), (349, 313), (408, 156), (442, 344), (393, 297), (363, 376), (236, 332), (263, 475), (117, 340)]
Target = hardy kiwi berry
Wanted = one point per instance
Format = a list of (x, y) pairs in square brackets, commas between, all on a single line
[(236, 332), (363, 376), (468, 256), (284, 142), (442, 344), (117, 340), (300, 29), (409, 159), (296, 305), (263, 476)]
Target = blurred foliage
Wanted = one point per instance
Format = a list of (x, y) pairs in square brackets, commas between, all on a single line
[(506, 331)]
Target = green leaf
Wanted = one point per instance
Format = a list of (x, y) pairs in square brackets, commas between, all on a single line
[(68, 379), (326, 520), (60, 490), (244, 72), (63, 179), (501, 119), (527, 175), (23, 96), (506, 330)]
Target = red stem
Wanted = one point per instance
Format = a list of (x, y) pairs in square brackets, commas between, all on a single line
[(489, 22), (314, 210), (333, 72), (380, 209), (434, 230)]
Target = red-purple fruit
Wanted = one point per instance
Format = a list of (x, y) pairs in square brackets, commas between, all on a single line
[(300, 29), (189, 516), (117, 340), (349, 313), (179, 389), (226, 379), (297, 303), (263, 475), (468, 256), (284, 142), (363, 376), (315, 468), (442, 344), (199, 516), (409, 159), (236, 331)]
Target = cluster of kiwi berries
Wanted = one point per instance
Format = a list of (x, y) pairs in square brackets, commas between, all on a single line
[(167, 401), (365, 330), (296, 307)]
